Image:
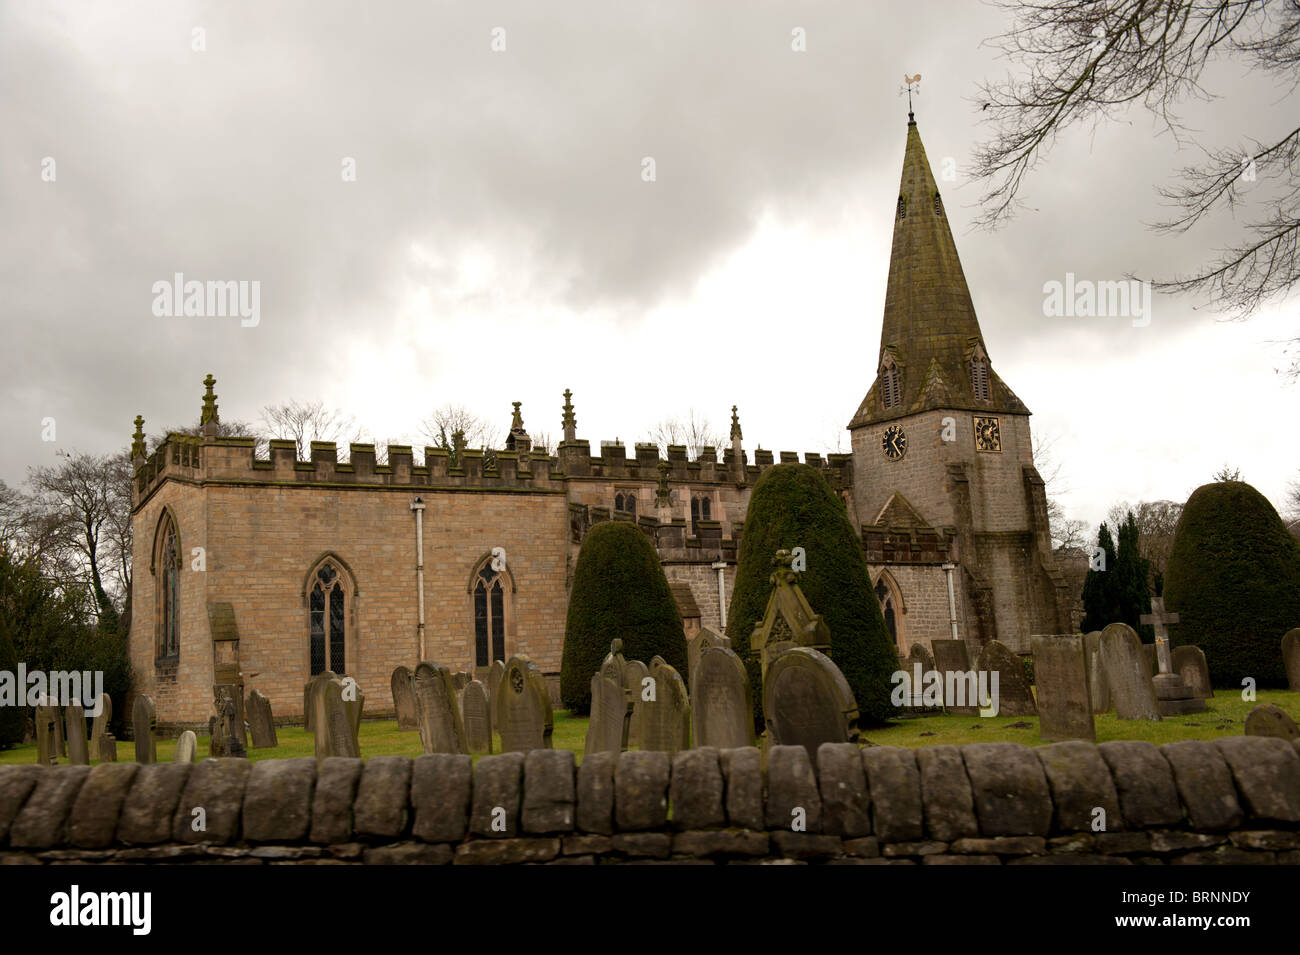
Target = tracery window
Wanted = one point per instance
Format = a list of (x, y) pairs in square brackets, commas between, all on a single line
[(168, 572), (327, 603), (489, 616)]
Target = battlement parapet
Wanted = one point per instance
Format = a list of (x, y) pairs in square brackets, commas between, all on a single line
[(196, 458)]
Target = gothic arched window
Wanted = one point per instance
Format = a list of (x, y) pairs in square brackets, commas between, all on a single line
[(891, 607), (489, 616), (327, 602), (168, 574)]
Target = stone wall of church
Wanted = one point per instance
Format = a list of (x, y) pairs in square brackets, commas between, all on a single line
[(262, 542), (925, 602), (703, 580), (171, 683)]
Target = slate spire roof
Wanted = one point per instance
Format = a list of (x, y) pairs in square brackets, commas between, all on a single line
[(930, 331)]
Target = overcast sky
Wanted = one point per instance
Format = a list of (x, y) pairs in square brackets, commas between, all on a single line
[(499, 242)]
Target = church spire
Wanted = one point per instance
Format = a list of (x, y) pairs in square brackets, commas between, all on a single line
[(930, 334)]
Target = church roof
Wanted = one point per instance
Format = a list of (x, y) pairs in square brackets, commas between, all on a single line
[(930, 330)]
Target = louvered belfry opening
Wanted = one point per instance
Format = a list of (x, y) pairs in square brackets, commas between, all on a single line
[(891, 386)]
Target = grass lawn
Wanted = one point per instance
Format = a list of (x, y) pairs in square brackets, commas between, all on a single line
[(1226, 716)]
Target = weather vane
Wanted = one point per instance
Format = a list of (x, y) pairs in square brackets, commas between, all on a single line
[(908, 83)]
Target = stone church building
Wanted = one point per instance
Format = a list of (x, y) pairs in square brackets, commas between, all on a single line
[(271, 570)]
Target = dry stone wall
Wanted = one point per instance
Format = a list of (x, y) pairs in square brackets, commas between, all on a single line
[(1235, 800)]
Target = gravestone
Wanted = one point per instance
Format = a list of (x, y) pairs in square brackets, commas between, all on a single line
[(143, 717), (436, 712), (1061, 676), (474, 714), (102, 742), (331, 724), (404, 699), (607, 730), (543, 693), (1268, 719), (522, 713), (1149, 657), (229, 728), (722, 709), (1015, 697), (1098, 688), (60, 741), (919, 654), (309, 694), (807, 702), (702, 641), (261, 724), (187, 747), (789, 620), (665, 720), (1131, 692), (354, 702), (47, 741), (1189, 663), (952, 656), (1291, 658), (460, 679), (496, 673), (635, 673), (1173, 696), (78, 748)]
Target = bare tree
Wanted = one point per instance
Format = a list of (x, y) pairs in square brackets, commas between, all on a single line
[(543, 443), (695, 432), (1156, 521), (442, 426), (1087, 61), (305, 422), (1291, 512), (84, 503)]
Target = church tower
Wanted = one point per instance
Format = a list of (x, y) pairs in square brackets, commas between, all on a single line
[(953, 512)]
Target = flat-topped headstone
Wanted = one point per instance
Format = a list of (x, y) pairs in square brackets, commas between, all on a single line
[(665, 719), (354, 702), (1015, 697), (102, 743), (918, 656), (404, 699), (1268, 719), (952, 656), (47, 744), (1189, 663), (78, 745), (436, 711), (635, 673), (331, 724), (706, 638), (1061, 677), (1291, 658), (1098, 688), (309, 693), (1131, 691), (474, 714), (611, 714), (187, 748), (722, 708), (230, 728), (143, 718), (522, 712), (261, 723), (807, 701)]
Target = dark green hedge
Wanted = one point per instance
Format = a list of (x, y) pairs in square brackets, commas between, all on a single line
[(793, 506), (1234, 579), (619, 590), (11, 717)]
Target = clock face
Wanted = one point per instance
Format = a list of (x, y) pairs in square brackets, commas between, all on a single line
[(894, 442), (988, 437)]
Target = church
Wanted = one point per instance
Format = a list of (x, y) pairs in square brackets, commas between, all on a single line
[(266, 571)]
